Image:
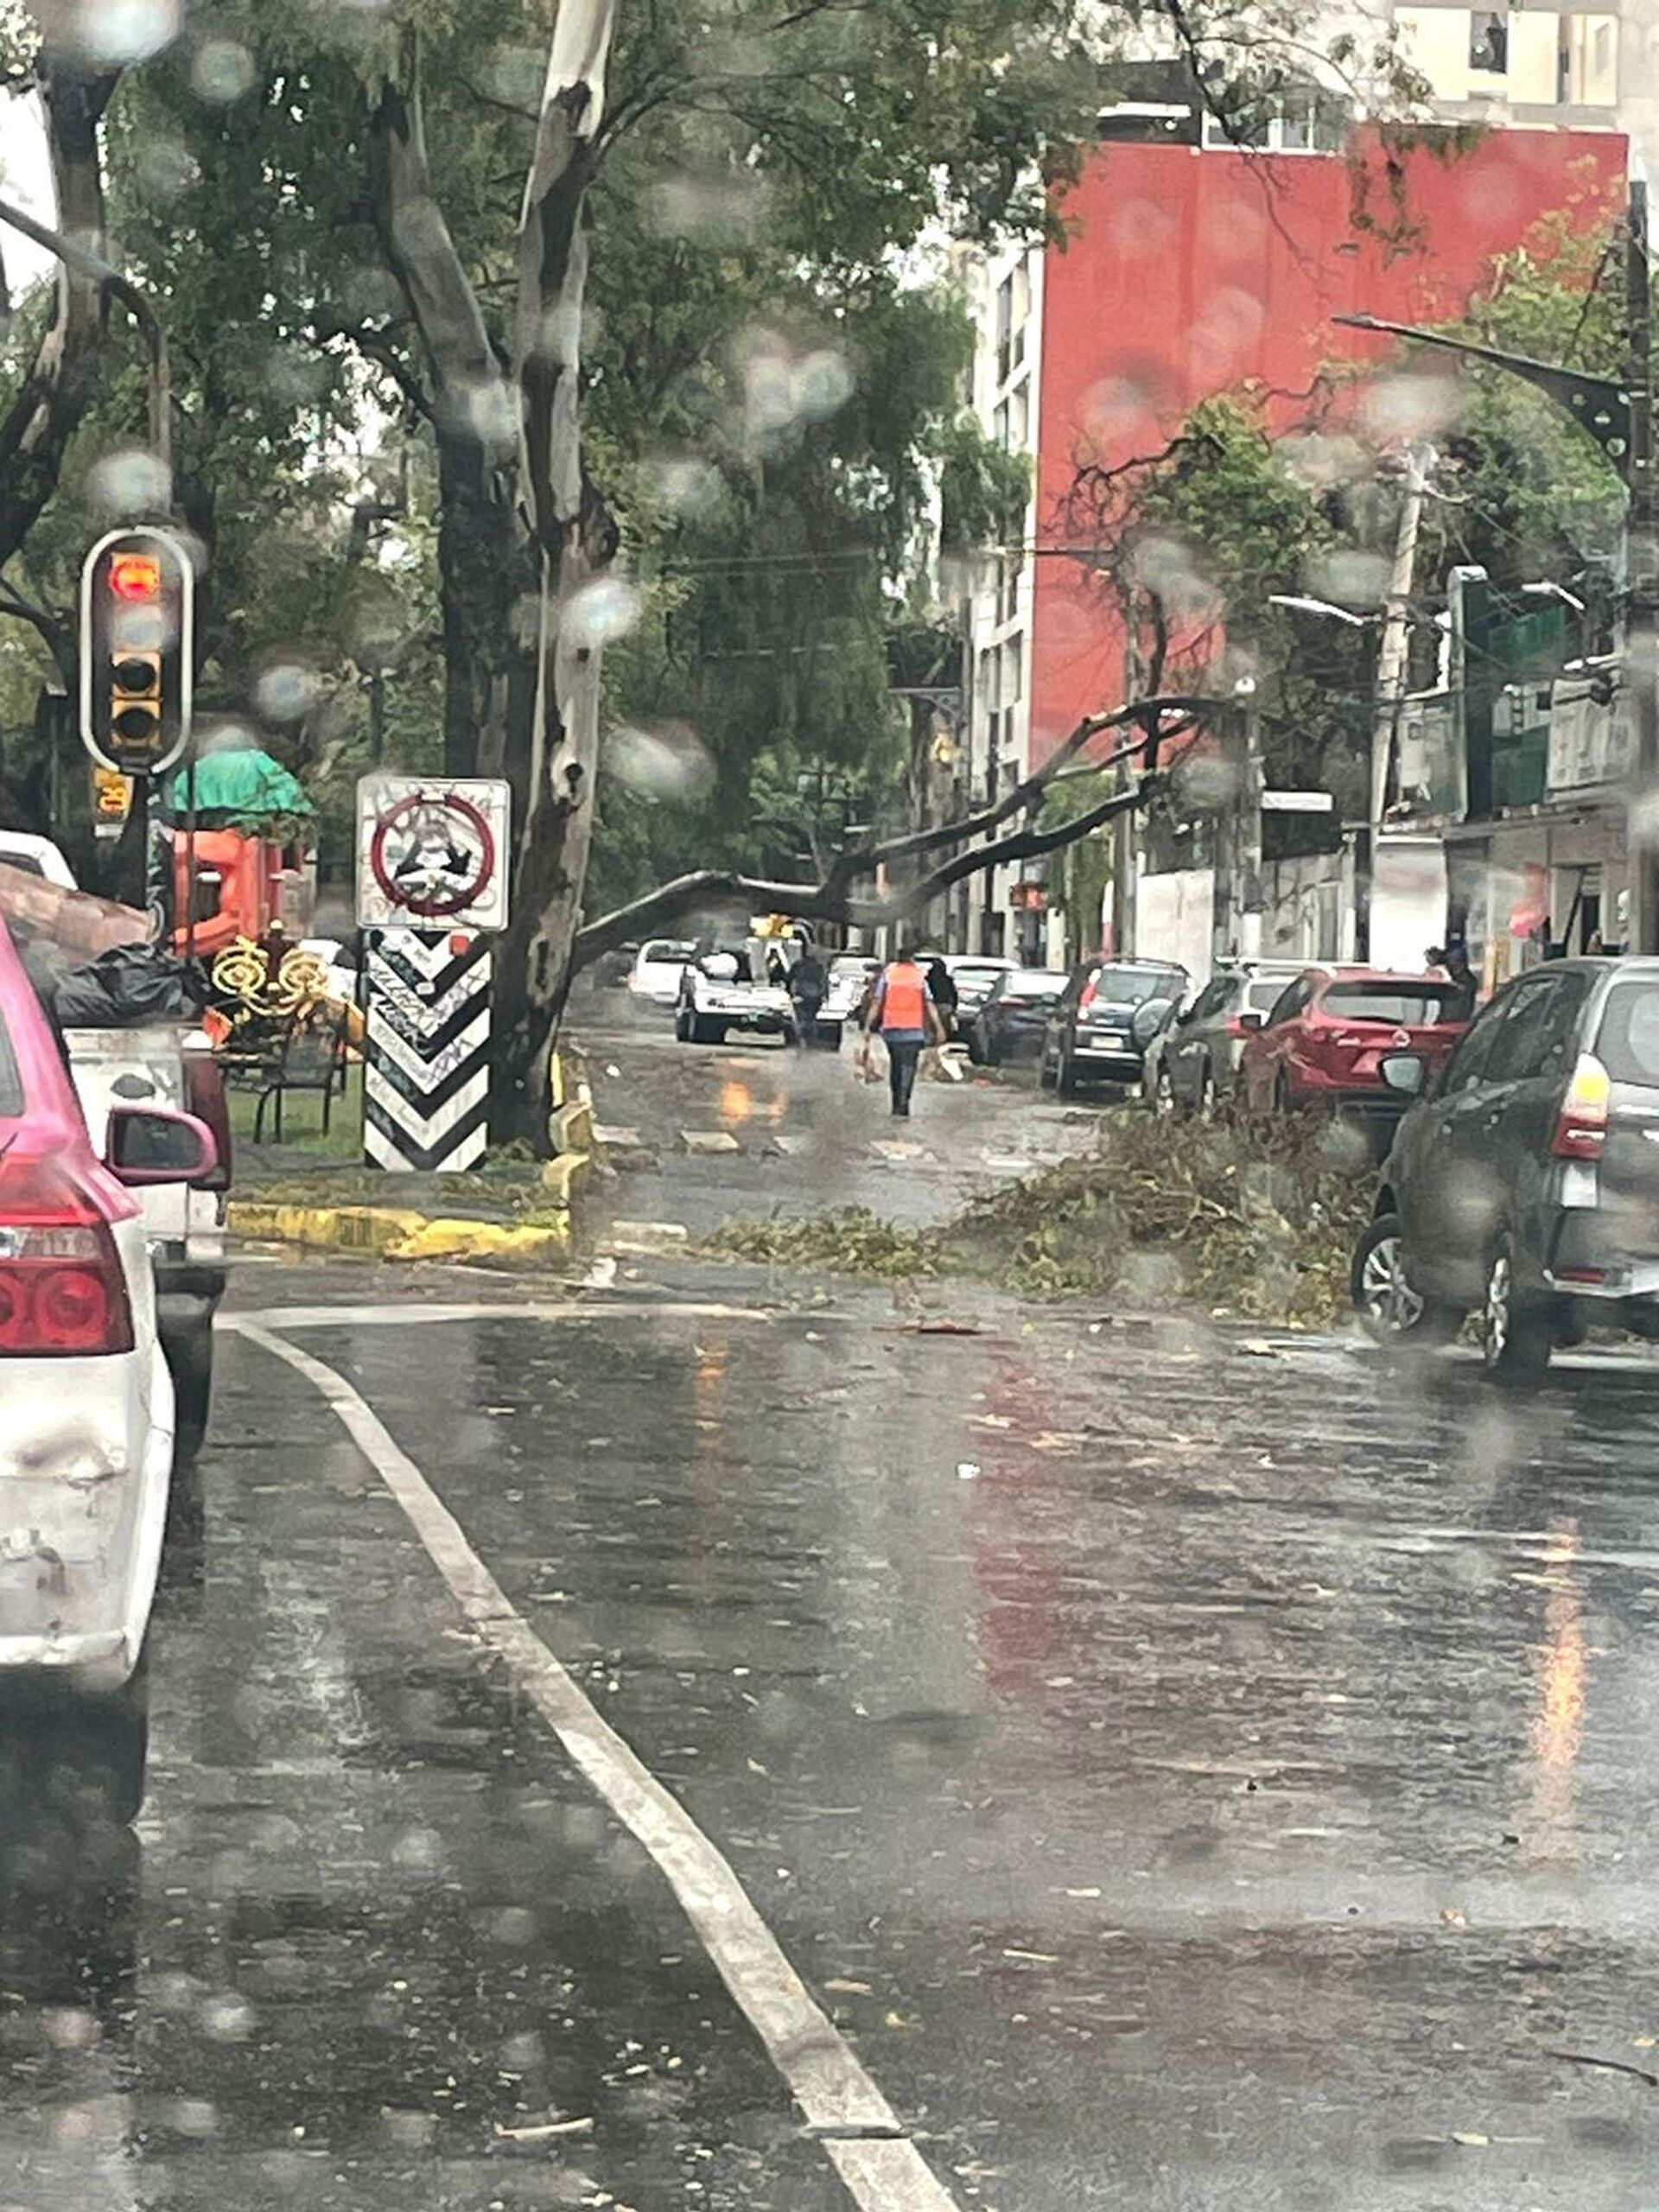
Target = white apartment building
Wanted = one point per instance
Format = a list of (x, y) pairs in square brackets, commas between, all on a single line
[(1004, 295)]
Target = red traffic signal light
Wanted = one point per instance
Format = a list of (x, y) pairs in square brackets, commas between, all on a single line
[(135, 576), (138, 595)]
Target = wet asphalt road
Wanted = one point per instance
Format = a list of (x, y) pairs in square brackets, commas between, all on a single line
[(1192, 1770)]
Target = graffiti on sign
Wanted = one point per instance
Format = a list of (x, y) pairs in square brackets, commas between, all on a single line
[(432, 854)]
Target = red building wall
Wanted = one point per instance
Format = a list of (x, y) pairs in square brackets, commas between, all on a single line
[(1191, 272)]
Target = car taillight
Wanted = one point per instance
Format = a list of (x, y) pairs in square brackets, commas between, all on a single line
[(1581, 1125), (204, 1093), (1086, 999), (61, 1288)]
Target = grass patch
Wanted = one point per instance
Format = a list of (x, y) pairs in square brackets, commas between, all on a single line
[(1257, 1219)]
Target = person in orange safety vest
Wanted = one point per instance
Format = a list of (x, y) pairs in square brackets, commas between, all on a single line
[(903, 1015)]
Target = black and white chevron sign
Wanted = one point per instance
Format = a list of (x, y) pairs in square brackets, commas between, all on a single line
[(426, 1078)]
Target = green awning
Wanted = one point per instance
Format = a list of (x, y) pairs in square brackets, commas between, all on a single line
[(243, 786)]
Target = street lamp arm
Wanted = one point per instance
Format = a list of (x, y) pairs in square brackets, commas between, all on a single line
[(1599, 405), (86, 263)]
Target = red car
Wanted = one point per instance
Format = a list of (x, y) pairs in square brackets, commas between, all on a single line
[(1324, 1040)]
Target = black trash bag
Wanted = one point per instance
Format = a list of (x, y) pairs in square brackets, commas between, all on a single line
[(131, 984)]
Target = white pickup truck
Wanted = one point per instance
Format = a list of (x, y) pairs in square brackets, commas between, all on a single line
[(169, 1064)]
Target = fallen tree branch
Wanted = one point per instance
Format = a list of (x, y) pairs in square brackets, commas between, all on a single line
[(830, 900)]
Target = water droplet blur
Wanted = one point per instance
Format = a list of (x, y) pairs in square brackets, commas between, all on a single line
[(111, 32), (130, 481), (1350, 576), (602, 611), (221, 71), (167, 170), (227, 2018), (684, 485), (1407, 406), (668, 761), (286, 691)]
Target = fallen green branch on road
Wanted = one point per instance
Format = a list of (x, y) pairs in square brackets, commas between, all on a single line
[(1252, 1219), (851, 1239)]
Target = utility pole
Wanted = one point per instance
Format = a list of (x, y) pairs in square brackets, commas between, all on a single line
[(1617, 413), (1642, 590), (1393, 673)]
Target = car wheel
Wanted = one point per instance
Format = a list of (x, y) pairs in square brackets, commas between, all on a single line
[(683, 1025), (1516, 1333), (190, 1358), (1391, 1312), (97, 1755), (1046, 1076), (1209, 1097), (1163, 1094), (1065, 1075)]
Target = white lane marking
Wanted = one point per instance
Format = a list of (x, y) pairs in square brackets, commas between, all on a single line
[(393, 1312), (826, 2080)]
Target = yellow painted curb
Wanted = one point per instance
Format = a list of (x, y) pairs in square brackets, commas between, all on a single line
[(482, 1240), (564, 1177), (335, 1229), (396, 1233), (573, 1128)]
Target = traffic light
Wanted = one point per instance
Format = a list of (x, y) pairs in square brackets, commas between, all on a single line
[(136, 598)]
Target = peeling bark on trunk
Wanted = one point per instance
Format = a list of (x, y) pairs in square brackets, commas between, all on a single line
[(573, 541), (485, 557), (62, 378)]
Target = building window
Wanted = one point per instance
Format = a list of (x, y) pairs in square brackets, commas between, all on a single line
[(1019, 438), (988, 682), (1488, 40), (999, 425), (1014, 670), (1296, 121), (1009, 572), (1588, 61)]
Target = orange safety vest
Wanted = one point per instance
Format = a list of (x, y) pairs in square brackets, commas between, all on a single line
[(903, 998)]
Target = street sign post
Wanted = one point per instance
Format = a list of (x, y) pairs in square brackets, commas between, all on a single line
[(432, 853), (432, 862)]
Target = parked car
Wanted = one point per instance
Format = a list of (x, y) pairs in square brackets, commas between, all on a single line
[(1107, 1013), (974, 976), (34, 855), (850, 977), (654, 978), (1326, 1036), (1193, 1061), (86, 1438), (1009, 1022), (1523, 1182), (717, 994)]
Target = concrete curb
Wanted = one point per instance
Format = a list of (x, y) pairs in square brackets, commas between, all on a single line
[(397, 1233)]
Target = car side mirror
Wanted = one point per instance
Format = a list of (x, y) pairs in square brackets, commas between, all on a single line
[(1407, 1072), (151, 1144), (1252, 1017)]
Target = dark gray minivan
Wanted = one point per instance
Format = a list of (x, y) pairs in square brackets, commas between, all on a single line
[(1523, 1183)]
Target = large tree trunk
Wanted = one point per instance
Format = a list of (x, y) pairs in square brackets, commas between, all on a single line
[(486, 558), (62, 379), (519, 536), (574, 541)]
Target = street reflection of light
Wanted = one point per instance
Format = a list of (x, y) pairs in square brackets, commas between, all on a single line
[(736, 1102), (1561, 1667)]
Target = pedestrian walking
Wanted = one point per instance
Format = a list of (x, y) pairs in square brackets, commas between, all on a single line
[(903, 1015), (806, 988), (1453, 960)]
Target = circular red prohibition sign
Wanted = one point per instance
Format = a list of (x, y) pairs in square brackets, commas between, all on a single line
[(432, 856)]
